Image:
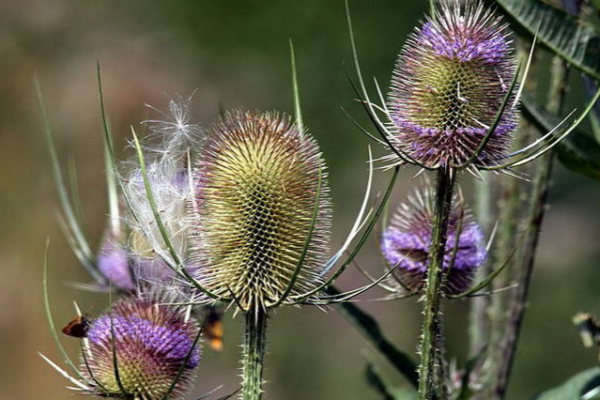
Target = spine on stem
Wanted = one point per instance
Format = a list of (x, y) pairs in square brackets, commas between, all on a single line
[(434, 282), (254, 351)]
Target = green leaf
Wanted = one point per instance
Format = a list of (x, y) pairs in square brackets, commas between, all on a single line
[(565, 35), (579, 387), (579, 151), (595, 122), (370, 329), (384, 388)]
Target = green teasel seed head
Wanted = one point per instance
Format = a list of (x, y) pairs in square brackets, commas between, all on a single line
[(257, 183)]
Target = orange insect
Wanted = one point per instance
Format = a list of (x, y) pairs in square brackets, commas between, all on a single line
[(78, 327), (213, 329)]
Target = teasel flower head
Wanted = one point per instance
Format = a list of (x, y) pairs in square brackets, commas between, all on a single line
[(114, 263), (407, 240), (257, 185), (155, 348), (448, 85)]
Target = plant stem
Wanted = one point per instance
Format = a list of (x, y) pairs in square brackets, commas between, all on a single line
[(254, 350), (539, 199), (433, 285), (479, 319)]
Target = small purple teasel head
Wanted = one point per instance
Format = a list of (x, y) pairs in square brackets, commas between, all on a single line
[(154, 347), (407, 240), (114, 263), (448, 85)]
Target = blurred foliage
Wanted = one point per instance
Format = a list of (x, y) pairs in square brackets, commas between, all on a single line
[(566, 35), (584, 385)]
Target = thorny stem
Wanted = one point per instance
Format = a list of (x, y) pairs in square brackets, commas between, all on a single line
[(539, 198), (499, 201), (254, 351), (433, 285)]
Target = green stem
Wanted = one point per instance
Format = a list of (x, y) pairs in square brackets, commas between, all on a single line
[(539, 199), (479, 321), (254, 351), (433, 285)]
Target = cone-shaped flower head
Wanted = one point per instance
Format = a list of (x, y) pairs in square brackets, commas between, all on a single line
[(407, 240), (153, 343), (448, 84), (257, 185)]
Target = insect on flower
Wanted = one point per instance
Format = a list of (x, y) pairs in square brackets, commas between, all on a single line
[(78, 327)]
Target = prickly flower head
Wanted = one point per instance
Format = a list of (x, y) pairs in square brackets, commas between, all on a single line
[(153, 344), (407, 241), (257, 184), (448, 84)]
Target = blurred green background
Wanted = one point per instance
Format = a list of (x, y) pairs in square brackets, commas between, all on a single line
[(235, 54)]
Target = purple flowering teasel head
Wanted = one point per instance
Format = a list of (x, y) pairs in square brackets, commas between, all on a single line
[(406, 243), (448, 85), (114, 263), (154, 345)]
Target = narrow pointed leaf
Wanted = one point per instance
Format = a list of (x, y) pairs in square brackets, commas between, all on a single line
[(579, 151), (80, 242), (574, 41), (371, 330), (575, 388)]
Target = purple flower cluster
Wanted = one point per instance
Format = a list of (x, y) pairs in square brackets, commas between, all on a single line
[(153, 343), (464, 43), (113, 264), (448, 84), (406, 243)]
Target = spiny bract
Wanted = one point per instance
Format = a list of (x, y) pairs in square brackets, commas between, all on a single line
[(448, 84), (153, 344), (407, 241), (256, 189)]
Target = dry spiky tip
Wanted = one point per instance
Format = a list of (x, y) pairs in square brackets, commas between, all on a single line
[(448, 85), (257, 184), (153, 344), (406, 244)]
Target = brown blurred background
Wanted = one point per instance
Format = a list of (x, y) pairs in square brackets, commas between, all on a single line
[(235, 54)]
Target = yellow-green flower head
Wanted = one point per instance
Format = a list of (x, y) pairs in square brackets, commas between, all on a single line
[(257, 184)]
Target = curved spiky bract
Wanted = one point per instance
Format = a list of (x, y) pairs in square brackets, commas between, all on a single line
[(448, 84), (256, 190), (153, 344), (406, 244)]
